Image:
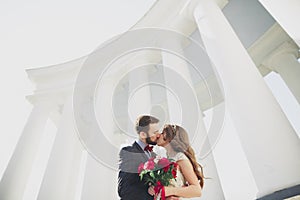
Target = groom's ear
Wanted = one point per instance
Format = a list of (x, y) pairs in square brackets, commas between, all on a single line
[(143, 134)]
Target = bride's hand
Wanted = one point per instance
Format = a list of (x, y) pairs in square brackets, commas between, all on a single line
[(151, 190)]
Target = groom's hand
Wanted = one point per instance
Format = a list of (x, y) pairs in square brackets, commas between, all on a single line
[(172, 198)]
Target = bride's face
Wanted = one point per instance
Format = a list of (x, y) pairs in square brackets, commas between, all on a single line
[(161, 142)]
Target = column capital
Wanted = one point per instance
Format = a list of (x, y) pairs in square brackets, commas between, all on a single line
[(49, 102), (286, 48)]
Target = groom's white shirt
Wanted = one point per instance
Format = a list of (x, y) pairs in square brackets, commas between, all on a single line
[(143, 145)]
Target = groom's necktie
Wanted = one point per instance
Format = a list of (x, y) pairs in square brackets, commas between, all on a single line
[(148, 148)]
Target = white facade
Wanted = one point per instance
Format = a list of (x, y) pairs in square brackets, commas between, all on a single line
[(187, 66)]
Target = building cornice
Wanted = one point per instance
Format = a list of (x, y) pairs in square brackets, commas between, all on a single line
[(288, 47), (266, 44), (163, 14)]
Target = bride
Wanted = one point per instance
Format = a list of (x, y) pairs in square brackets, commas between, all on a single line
[(189, 181)]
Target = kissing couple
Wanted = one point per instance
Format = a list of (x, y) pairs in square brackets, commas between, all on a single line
[(189, 179)]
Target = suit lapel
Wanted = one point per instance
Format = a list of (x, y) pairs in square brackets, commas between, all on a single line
[(140, 150)]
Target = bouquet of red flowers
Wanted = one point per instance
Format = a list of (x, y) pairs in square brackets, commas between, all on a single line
[(158, 172)]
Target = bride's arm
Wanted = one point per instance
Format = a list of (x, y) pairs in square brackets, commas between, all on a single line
[(193, 189)]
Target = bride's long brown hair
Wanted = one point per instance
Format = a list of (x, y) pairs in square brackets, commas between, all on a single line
[(179, 141)]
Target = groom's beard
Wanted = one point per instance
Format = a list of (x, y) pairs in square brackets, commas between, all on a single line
[(148, 140)]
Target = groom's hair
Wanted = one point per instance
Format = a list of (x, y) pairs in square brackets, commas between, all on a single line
[(142, 123)]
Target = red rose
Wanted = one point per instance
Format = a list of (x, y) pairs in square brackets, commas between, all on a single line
[(174, 173), (166, 168), (175, 164)]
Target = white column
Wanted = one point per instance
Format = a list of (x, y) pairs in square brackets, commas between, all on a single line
[(104, 111), (177, 79), (284, 61), (270, 143), (232, 164), (287, 14), (19, 167), (139, 96), (173, 63), (100, 182), (62, 173)]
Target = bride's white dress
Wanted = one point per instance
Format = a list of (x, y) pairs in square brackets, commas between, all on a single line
[(180, 180)]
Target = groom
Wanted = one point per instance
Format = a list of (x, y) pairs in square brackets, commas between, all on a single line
[(130, 187)]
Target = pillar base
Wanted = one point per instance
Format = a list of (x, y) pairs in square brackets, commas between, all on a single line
[(283, 194)]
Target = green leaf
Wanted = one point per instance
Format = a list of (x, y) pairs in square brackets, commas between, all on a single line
[(152, 174)]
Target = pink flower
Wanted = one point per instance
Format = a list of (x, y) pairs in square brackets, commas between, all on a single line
[(140, 168), (149, 165), (163, 162), (151, 159)]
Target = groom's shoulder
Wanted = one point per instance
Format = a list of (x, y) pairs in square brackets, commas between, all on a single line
[(129, 147)]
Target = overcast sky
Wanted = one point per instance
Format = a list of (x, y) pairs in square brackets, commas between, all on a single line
[(41, 33)]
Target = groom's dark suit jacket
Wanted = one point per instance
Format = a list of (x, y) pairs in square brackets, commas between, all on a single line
[(130, 187)]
